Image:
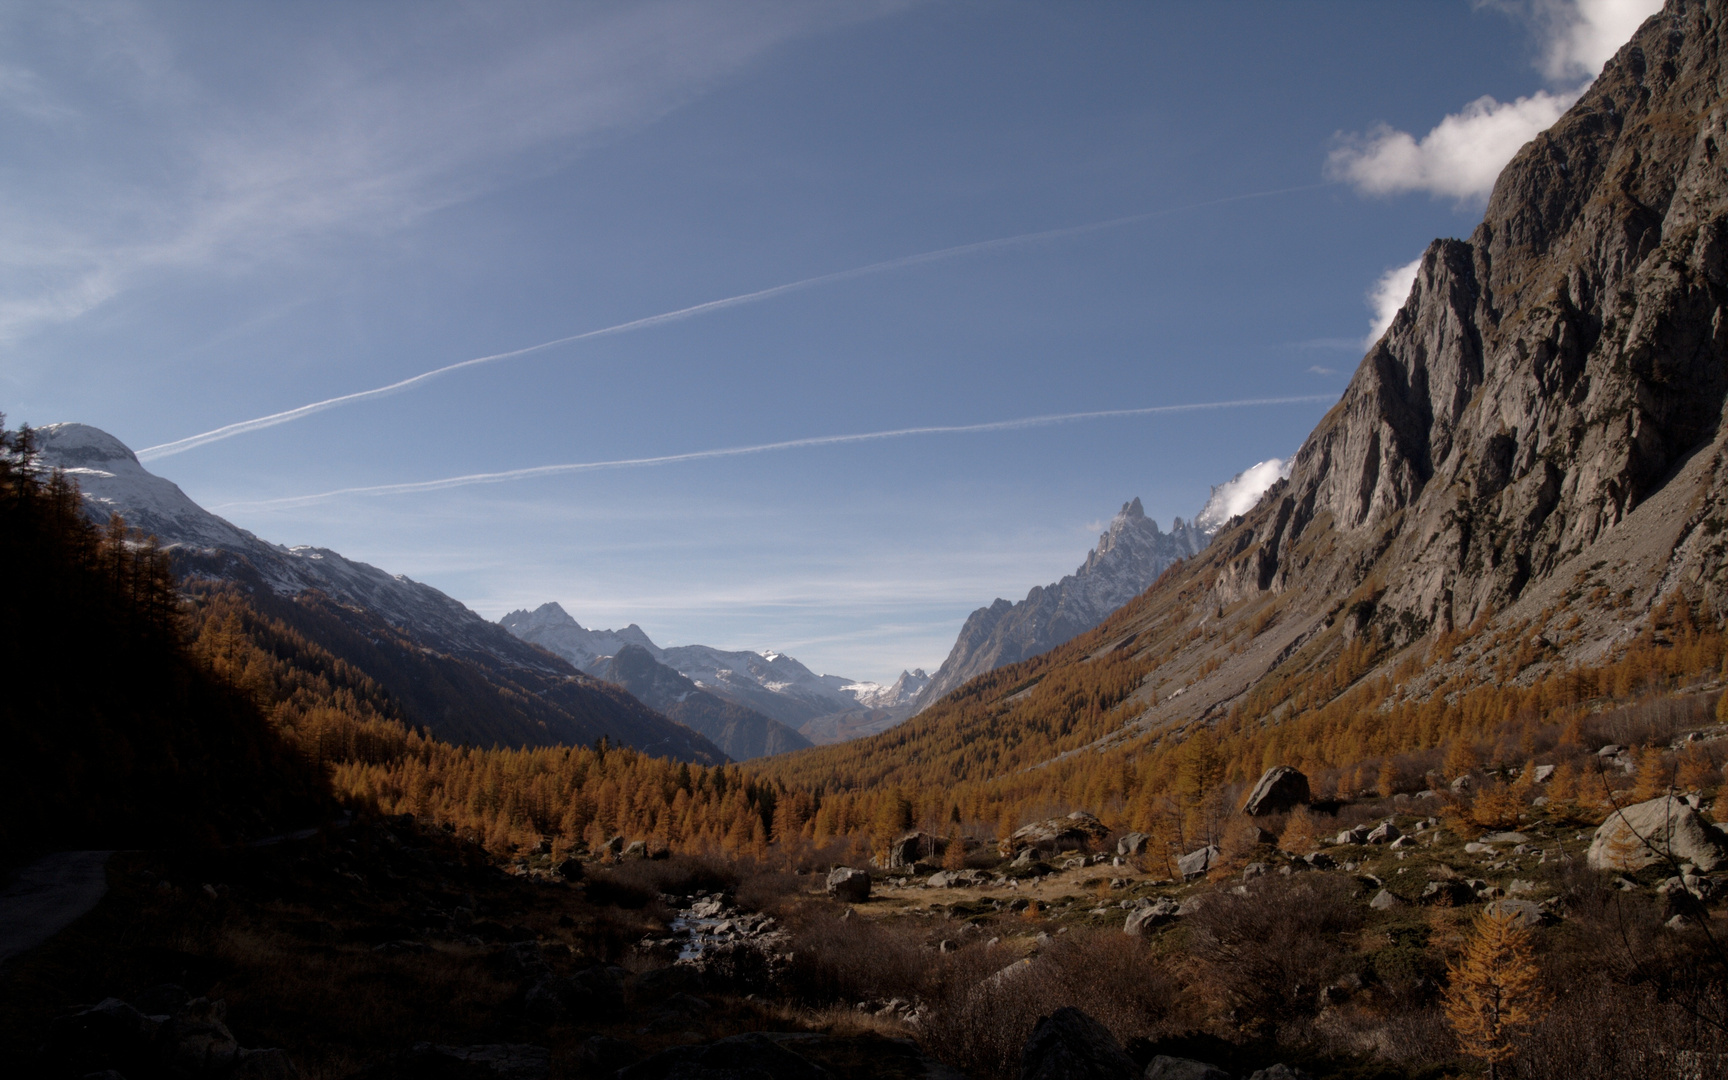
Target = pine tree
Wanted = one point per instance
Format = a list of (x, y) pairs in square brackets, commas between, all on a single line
[(1494, 992)]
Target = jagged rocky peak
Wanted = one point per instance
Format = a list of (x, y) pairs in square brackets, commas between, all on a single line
[(1129, 556), (547, 616), (1562, 368)]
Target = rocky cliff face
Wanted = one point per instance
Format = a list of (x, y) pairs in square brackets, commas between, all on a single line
[(1546, 378), (1537, 439), (1129, 557), (741, 732)]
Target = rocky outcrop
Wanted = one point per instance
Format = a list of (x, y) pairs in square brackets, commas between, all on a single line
[(1544, 379), (1279, 790), (1664, 830), (1129, 557)]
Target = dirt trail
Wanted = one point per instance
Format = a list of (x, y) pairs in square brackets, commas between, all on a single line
[(47, 895)]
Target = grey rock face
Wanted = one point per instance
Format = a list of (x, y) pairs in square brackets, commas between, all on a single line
[(1279, 789), (1660, 830), (1133, 843), (1128, 558), (1070, 1045), (1544, 377)]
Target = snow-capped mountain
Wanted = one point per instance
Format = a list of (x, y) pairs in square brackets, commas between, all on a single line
[(551, 627), (772, 683), (460, 675), (876, 696), (737, 729)]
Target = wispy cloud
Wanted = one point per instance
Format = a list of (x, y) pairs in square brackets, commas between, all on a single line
[(371, 124), (541, 471), (1316, 369), (980, 247), (1462, 155)]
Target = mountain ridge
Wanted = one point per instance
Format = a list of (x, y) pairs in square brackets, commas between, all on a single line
[(455, 673)]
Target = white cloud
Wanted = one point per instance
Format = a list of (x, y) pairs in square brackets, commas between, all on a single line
[(1388, 295), (1459, 158), (1238, 494), (1582, 35), (1462, 155), (170, 154)]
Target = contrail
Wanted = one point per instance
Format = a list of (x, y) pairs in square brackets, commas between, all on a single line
[(760, 448), (162, 450)]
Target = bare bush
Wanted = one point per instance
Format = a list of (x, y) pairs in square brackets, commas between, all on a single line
[(840, 958), (983, 1008), (1264, 956)]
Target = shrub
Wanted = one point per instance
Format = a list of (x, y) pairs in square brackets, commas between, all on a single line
[(1264, 956)]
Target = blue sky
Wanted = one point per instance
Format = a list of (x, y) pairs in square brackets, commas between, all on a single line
[(219, 212)]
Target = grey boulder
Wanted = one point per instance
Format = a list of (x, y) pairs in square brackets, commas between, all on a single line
[(1279, 789), (848, 885), (1658, 831)]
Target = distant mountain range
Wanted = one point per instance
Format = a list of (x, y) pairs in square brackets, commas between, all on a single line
[(822, 709), (737, 729), (461, 677), (811, 708)]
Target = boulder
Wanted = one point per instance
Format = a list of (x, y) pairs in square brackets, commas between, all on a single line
[(614, 846), (1142, 919), (1525, 915), (570, 869), (1175, 1068), (638, 849), (1256, 836), (1661, 830), (1384, 834), (1358, 835), (1197, 862), (849, 886), (1076, 832), (1133, 843), (1385, 901), (1070, 1045), (1279, 789), (1542, 774)]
